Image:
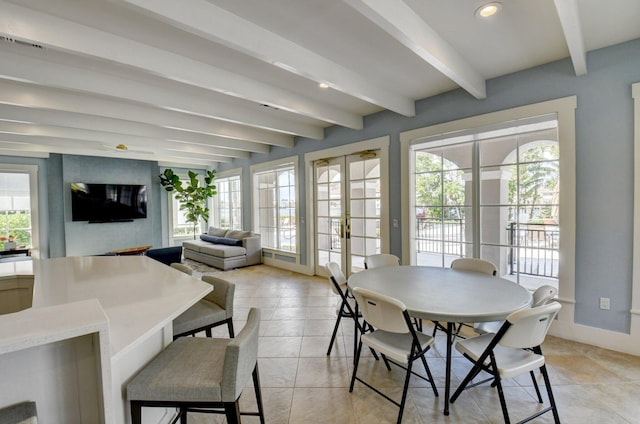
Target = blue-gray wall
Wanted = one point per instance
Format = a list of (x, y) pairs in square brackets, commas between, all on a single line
[(604, 164), (604, 174)]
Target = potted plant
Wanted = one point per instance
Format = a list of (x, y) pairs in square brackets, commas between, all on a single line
[(192, 194)]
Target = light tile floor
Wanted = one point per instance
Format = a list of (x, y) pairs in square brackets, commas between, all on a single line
[(301, 384)]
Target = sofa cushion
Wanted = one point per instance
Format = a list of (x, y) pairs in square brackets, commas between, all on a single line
[(221, 240), (218, 232), (222, 250), (237, 234)]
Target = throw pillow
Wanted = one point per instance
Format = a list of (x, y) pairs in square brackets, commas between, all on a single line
[(237, 234), (221, 240), (218, 232)]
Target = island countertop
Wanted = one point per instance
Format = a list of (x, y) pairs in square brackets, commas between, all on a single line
[(139, 295), (95, 321)]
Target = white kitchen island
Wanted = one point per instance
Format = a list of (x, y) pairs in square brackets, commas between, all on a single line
[(94, 323)]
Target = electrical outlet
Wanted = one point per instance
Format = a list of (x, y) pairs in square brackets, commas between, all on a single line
[(604, 303)]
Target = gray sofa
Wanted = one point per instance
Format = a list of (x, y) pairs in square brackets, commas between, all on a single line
[(225, 249)]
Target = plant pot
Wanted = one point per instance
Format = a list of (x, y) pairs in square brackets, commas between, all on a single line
[(9, 245)]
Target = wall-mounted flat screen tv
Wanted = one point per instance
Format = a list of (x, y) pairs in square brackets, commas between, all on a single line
[(108, 202)]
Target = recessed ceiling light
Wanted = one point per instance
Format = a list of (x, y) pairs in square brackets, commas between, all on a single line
[(323, 85), (488, 9)]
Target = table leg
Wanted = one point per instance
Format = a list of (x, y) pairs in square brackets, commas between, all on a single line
[(447, 381)]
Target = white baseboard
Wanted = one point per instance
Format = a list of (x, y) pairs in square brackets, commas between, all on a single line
[(566, 328), (289, 266)]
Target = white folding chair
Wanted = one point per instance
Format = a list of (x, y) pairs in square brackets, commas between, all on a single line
[(541, 296), (512, 351), (393, 337), (381, 259), (472, 265)]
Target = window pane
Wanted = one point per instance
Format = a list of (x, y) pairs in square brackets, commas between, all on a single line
[(518, 208), (276, 208)]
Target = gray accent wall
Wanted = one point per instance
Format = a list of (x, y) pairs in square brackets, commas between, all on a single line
[(83, 238), (604, 164)]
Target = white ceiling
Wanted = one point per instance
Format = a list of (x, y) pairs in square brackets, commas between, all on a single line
[(195, 82)]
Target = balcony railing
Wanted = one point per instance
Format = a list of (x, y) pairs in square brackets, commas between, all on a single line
[(535, 249), (434, 236), (532, 249)]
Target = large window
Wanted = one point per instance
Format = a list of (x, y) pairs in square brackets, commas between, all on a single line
[(494, 194), (227, 204), (499, 186), (15, 210), (275, 194)]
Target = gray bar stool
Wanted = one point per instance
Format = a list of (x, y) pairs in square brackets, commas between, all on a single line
[(201, 374)]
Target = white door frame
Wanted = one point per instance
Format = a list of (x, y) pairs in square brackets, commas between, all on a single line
[(382, 145)]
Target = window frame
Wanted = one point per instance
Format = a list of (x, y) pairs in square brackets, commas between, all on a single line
[(215, 206), (564, 108), (635, 289), (32, 172), (255, 171), (469, 161)]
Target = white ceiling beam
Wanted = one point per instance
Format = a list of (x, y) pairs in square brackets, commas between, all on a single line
[(112, 139), (120, 126), (570, 20), (406, 26), (16, 93), (31, 143), (18, 66), (214, 23), (59, 33)]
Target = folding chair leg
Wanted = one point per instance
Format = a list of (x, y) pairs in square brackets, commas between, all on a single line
[(386, 362), (405, 389), (503, 401), (333, 336), (356, 361), (232, 334), (552, 401), (428, 370), (535, 385)]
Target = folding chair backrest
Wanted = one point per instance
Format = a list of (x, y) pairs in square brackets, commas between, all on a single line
[(380, 260), (475, 265), (529, 327), (382, 312), (543, 294), (337, 277)]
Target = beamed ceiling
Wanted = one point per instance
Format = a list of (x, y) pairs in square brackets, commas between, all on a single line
[(194, 83)]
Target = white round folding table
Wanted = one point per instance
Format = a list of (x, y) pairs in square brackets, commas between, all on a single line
[(446, 295)]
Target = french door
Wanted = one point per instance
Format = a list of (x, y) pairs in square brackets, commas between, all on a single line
[(347, 205)]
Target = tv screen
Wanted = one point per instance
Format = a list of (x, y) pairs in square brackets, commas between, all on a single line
[(108, 202)]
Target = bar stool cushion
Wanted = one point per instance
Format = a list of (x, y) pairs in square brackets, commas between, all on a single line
[(199, 315), (20, 413), (188, 370)]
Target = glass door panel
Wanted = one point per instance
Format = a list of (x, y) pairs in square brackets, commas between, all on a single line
[(347, 197)]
